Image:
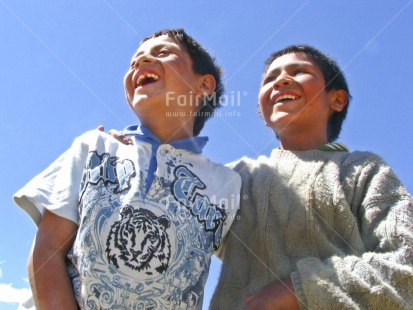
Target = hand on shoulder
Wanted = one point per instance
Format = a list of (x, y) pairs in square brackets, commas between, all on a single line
[(118, 135)]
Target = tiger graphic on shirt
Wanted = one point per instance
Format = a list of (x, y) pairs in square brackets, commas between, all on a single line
[(138, 240)]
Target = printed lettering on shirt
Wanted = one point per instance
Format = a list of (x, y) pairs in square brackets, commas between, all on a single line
[(108, 170), (186, 189)]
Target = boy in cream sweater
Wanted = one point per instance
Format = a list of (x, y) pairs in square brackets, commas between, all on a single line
[(323, 227)]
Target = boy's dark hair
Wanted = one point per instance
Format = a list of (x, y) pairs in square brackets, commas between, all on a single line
[(333, 76), (202, 63)]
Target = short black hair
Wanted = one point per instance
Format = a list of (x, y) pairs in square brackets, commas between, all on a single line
[(202, 63), (333, 76)]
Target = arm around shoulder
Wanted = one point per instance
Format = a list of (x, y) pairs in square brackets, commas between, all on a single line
[(47, 268)]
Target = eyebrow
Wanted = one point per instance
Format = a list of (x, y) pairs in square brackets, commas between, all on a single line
[(296, 64), (159, 46)]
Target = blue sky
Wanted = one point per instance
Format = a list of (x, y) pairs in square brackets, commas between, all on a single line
[(62, 65)]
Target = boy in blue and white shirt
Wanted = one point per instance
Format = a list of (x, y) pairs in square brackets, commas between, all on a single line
[(138, 223)]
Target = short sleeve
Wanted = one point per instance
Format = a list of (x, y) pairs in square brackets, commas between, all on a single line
[(56, 188)]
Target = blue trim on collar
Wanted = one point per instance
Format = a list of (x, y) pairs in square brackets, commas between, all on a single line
[(193, 144)]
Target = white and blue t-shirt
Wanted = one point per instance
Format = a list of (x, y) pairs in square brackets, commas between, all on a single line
[(150, 216)]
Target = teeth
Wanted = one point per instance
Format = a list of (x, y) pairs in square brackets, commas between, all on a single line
[(286, 97), (146, 75), (152, 75)]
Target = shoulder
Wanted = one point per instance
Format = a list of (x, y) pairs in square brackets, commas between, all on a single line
[(363, 157), (96, 140), (359, 161), (356, 165), (92, 136), (220, 169), (247, 163), (370, 171), (249, 168), (203, 166)]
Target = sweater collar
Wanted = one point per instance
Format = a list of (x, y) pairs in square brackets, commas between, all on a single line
[(340, 147), (193, 144), (331, 147)]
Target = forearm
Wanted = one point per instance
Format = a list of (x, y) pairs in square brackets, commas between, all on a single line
[(377, 277), (50, 282), (374, 266), (48, 275), (353, 283)]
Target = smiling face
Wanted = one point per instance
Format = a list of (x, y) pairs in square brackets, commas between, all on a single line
[(161, 79), (293, 101)]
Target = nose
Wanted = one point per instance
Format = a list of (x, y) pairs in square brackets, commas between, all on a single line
[(143, 59), (283, 79)]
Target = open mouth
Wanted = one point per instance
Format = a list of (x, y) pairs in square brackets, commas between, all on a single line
[(146, 78), (286, 98)]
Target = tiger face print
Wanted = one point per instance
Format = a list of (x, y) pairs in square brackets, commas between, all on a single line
[(139, 241)]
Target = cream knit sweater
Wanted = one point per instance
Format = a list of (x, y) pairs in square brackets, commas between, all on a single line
[(339, 224)]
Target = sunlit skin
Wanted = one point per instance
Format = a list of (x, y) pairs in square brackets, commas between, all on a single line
[(295, 105), (161, 79), (275, 296)]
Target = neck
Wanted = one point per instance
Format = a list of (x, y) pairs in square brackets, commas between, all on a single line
[(302, 143), (167, 133)]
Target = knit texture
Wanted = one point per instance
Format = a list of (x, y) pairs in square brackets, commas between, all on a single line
[(338, 224)]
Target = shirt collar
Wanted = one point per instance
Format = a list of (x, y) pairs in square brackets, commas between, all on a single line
[(193, 144)]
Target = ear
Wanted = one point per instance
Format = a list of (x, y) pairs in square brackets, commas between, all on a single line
[(338, 99), (206, 85)]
